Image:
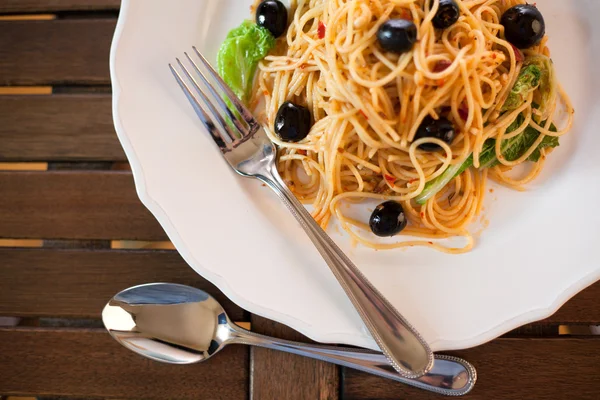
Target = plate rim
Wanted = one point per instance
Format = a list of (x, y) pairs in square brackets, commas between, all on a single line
[(356, 339)]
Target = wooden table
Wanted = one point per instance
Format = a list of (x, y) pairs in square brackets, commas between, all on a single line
[(67, 195)]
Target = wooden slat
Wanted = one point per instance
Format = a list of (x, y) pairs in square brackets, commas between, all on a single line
[(29, 6), (78, 283), (74, 205), (277, 375), (507, 369), (55, 52), (89, 363), (60, 127)]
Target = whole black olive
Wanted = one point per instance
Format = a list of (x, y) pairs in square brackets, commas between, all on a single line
[(435, 128), (524, 25), (388, 219), (293, 122), (272, 15), (397, 35), (447, 14)]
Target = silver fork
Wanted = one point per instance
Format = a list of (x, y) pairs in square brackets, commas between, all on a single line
[(249, 151)]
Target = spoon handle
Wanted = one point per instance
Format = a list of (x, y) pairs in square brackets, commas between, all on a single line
[(450, 376)]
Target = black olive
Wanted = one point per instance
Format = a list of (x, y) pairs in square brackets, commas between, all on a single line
[(272, 15), (293, 122), (447, 14), (397, 35), (388, 219), (524, 25), (435, 128)]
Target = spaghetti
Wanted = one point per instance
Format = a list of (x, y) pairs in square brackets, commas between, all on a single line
[(367, 105)]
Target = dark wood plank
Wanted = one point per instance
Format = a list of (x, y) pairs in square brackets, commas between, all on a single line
[(61, 127), (31, 6), (89, 363), (55, 52), (78, 283), (507, 369), (74, 205), (277, 375)]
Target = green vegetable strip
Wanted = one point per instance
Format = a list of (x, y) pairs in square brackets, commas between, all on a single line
[(239, 55), (436, 185)]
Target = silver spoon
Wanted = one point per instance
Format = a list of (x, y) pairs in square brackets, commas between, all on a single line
[(179, 324)]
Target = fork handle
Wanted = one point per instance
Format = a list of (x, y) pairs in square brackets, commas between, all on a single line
[(406, 350)]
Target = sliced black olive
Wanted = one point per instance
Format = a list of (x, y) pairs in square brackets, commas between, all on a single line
[(435, 128), (388, 219), (447, 14), (293, 122), (272, 15), (524, 25), (397, 35)]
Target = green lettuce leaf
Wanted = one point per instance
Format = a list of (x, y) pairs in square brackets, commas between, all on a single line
[(545, 96), (547, 142), (528, 81), (538, 76), (239, 55), (514, 148)]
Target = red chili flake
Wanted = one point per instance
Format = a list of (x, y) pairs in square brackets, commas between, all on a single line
[(303, 66), (364, 114), (430, 242), (491, 190), (266, 92), (441, 65), (518, 54), (422, 215), (340, 150), (463, 111), (494, 56), (302, 152), (390, 179), (321, 30), (441, 82)]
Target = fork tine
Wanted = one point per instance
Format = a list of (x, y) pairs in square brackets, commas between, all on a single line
[(221, 121), (206, 120), (239, 106), (224, 107)]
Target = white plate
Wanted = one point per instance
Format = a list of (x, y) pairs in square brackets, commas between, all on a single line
[(539, 250)]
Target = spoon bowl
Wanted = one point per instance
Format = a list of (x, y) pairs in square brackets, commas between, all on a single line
[(170, 323)]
